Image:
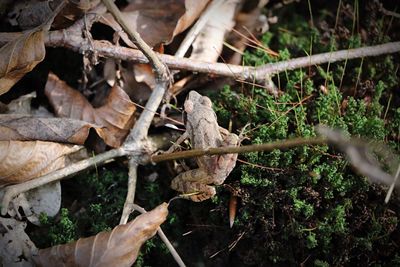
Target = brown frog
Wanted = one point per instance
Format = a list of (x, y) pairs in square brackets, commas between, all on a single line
[(203, 130)]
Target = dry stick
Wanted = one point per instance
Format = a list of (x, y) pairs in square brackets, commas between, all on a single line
[(114, 153), (159, 68), (284, 144), (163, 238), (135, 142), (14, 190), (390, 191), (248, 73), (72, 39)]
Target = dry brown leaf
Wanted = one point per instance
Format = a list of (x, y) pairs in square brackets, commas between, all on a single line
[(232, 209), (73, 11), (157, 21), (193, 10), (21, 161), (138, 92), (32, 13), (119, 247), (19, 57), (62, 130), (116, 115)]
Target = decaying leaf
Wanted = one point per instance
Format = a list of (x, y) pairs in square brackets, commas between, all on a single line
[(116, 115), (19, 57), (45, 199), (21, 161), (232, 209), (158, 21), (28, 128), (16, 248), (119, 247), (73, 10), (193, 10), (30, 14)]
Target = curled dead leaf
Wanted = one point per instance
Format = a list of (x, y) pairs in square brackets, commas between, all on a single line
[(30, 14), (28, 128), (73, 11), (116, 115), (232, 209), (22, 161), (157, 21), (193, 10), (119, 247), (19, 57)]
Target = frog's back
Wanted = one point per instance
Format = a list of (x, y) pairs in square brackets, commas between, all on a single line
[(204, 129)]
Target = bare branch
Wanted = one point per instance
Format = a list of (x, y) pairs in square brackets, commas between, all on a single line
[(72, 39), (164, 238), (135, 143), (283, 144), (130, 195), (159, 67), (247, 73)]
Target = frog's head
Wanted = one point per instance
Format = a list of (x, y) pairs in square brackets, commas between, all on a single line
[(194, 99)]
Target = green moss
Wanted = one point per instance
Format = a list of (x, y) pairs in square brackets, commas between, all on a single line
[(310, 195), (60, 232)]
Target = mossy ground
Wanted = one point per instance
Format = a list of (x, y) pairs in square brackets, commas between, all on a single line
[(304, 205)]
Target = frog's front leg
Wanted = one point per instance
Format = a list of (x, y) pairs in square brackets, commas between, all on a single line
[(226, 162), (177, 143), (194, 181)]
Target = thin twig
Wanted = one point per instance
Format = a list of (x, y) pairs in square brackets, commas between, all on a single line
[(284, 144), (164, 238), (248, 73), (73, 40), (158, 66), (387, 12), (135, 143), (13, 190), (130, 195), (390, 191)]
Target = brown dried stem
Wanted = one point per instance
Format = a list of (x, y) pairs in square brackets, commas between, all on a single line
[(72, 40), (247, 73), (283, 144), (164, 238), (136, 140)]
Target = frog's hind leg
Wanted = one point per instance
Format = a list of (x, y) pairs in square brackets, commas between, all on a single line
[(194, 184)]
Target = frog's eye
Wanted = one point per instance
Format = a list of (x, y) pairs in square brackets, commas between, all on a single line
[(206, 101), (188, 106)]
